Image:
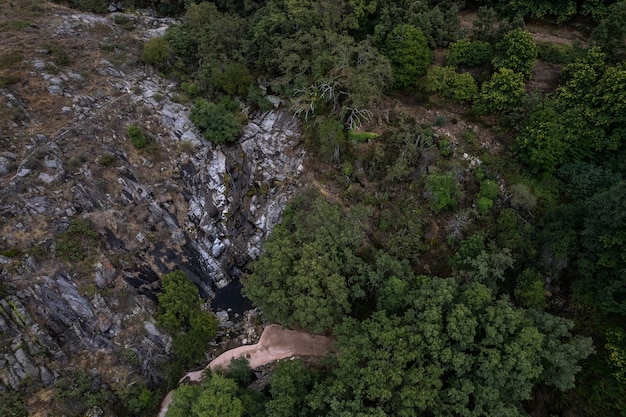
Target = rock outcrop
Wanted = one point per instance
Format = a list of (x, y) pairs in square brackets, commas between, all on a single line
[(90, 223)]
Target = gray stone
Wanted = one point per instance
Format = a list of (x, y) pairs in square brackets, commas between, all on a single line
[(56, 81), (4, 165), (47, 178), (79, 304), (24, 172), (55, 90)]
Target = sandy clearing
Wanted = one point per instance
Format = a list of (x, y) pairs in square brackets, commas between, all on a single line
[(275, 343)]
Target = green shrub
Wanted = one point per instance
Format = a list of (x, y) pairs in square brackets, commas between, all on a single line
[(468, 53), (529, 289), (232, 78), (489, 189), (440, 120), (137, 137), (217, 122), (12, 405), (444, 191), (483, 205), (556, 53), (361, 137), (156, 51), (451, 84), (107, 160), (76, 242)]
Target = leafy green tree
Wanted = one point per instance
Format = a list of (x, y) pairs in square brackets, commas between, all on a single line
[(448, 350), (448, 83), (468, 53), (219, 123), (516, 51), (408, 52), (310, 276), (216, 397), (610, 34), (181, 314), (290, 384), (156, 52), (602, 281), (444, 191), (529, 289), (501, 93)]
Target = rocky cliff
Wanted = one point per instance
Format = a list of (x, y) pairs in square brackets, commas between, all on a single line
[(89, 222)]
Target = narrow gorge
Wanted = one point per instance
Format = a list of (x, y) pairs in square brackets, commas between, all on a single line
[(89, 223)]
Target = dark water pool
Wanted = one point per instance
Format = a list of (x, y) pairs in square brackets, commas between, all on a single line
[(230, 297)]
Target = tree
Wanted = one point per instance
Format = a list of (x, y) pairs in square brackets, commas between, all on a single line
[(217, 122), (408, 52), (216, 397), (447, 349), (516, 51), (468, 53), (501, 93), (290, 384), (180, 313), (310, 276), (610, 34), (448, 83), (444, 191)]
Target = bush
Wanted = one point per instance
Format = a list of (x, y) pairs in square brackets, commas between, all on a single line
[(489, 189), (556, 53), (217, 122), (107, 160), (501, 93), (451, 84), (468, 53), (529, 289), (76, 242), (233, 78), (137, 137), (483, 205), (444, 191), (156, 51)]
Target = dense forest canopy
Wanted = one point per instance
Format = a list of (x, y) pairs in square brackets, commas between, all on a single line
[(457, 279)]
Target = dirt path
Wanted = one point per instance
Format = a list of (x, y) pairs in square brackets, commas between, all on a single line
[(275, 343)]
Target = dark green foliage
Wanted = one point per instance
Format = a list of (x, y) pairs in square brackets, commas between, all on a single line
[(181, 314), (557, 53), (156, 52), (93, 6), (451, 84), (610, 34), (77, 242), (501, 93), (12, 405), (137, 137), (239, 370), (183, 45), (516, 51), (216, 397), (77, 391), (290, 384), (310, 275), (602, 281), (408, 52), (443, 191), (468, 53), (107, 160), (583, 120), (447, 350), (583, 179), (328, 139), (529, 289), (219, 123), (233, 78)]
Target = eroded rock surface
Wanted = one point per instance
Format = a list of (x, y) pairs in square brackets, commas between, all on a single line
[(66, 160)]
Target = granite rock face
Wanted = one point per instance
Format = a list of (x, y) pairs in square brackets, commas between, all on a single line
[(90, 223)]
